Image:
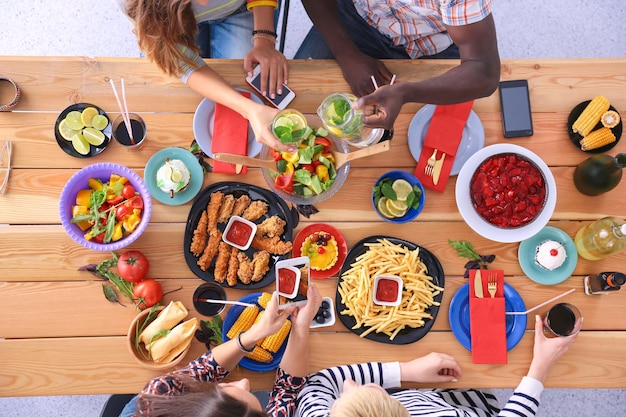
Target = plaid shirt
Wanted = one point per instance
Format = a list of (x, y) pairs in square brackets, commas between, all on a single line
[(419, 25), (282, 401)]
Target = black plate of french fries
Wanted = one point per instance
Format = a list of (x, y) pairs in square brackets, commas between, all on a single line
[(203, 245), (576, 137), (419, 270)]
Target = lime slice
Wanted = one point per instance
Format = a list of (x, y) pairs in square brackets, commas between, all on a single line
[(284, 121), (80, 144), (65, 131), (298, 122), (398, 205), (177, 176), (402, 188), (393, 210), (87, 115), (100, 121), (73, 120), (382, 208), (93, 136)]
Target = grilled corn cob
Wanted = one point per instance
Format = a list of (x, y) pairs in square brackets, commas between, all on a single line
[(264, 298), (244, 321), (610, 119), (597, 139), (274, 342), (260, 355), (591, 115)]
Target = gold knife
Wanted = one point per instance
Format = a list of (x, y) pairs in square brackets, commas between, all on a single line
[(437, 169), (478, 284)]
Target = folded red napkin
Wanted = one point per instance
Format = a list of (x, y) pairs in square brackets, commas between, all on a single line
[(230, 135), (488, 321), (444, 134)]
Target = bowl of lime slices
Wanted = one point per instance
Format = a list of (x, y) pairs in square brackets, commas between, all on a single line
[(398, 196), (83, 130)]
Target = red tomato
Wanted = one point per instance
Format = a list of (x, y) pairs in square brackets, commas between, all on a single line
[(122, 211), (147, 293), (308, 167), (133, 266), (135, 202), (115, 200), (128, 191), (99, 238), (284, 182), (325, 143)]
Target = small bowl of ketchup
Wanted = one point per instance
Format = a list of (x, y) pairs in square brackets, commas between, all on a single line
[(288, 281), (387, 290), (239, 232)]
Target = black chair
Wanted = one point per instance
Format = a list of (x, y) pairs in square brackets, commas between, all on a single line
[(284, 4), (115, 404)]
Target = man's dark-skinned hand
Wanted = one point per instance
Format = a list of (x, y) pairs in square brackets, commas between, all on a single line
[(358, 70), (381, 108)]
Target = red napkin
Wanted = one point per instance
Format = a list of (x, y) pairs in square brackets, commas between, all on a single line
[(230, 135), (488, 321), (444, 134)]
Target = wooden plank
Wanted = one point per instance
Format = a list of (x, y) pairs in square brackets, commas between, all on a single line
[(102, 365)]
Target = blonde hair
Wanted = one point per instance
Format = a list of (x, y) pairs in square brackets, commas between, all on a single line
[(164, 28), (362, 401)]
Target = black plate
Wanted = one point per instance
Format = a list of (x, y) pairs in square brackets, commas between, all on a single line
[(408, 335), (67, 145), (576, 138), (276, 207)]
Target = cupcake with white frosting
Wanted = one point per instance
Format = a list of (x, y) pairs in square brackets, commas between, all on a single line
[(173, 177), (550, 255)]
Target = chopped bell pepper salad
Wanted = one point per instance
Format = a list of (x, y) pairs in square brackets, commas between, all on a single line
[(310, 170), (109, 211)]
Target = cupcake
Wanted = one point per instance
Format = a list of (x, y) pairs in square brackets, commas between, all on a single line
[(550, 255), (173, 177), (321, 248)]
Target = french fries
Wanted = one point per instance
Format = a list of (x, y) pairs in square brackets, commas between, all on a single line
[(357, 285)]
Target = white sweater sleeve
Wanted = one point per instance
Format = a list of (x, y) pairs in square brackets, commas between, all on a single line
[(525, 399)]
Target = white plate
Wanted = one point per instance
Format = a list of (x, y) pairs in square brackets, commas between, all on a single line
[(472, 140), (203, 126), (481, 226)]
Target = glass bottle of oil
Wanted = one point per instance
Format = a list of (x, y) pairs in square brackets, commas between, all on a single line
[(601, 238)]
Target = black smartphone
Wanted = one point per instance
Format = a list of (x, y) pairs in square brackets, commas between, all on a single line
[(281, 101), (517, 118)]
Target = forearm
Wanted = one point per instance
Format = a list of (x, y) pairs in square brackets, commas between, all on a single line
[(295, 361), (228, 354)]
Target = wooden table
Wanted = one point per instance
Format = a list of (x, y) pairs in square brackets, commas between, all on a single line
[(62, 337)]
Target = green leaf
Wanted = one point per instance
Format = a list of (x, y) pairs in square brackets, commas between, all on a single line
[(464, 249), (110, 294), (410, 199), (388, 191)]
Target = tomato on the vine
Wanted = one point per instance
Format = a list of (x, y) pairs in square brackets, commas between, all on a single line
[(133, 266), (147, 293)]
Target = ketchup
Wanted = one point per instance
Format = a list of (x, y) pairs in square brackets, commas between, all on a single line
[(239, 233), (286, 280), (387, 290)]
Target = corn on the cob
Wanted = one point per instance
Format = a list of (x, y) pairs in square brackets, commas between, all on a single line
[(274, 342), (597, 139), (260, 355), (244, 321), (591, 115), (610, 119), (264, 298)]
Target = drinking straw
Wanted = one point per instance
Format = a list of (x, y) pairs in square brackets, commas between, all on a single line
[(237, 303), (519, 313), (393, 79), (374, 82), (130, 130), (124, 114)]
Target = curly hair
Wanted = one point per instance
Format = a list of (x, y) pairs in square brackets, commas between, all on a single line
[(199, 399), (363, 401), (164, 29)]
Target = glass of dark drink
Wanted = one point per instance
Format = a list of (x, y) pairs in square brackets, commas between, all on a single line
[(138, 128), (564, 320), (207, 297)]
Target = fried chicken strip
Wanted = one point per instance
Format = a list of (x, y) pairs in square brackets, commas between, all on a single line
[(241, 204), (272, 226), (213, 209), (246, 268), (221, 263), (261, 261), (273, 245), (228, 202), (215, 237), (233, 267), (255, 210), (198, 242)]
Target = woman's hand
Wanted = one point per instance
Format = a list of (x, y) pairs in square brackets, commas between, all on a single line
[(261, 118), (547, 351), (273, 64), (381, 108), (272, 320), (434, 367), (302, 317)]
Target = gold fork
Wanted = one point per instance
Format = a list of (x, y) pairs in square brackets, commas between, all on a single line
[(430, 164), (492, 283)]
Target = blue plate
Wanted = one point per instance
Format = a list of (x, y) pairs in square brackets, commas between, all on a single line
[(157, 160), (229, 320), (526, 256), (460, 320)]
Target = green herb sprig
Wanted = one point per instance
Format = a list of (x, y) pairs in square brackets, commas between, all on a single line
[(464, 249)]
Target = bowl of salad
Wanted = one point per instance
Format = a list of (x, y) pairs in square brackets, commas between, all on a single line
[(105, 206), (308, 176)]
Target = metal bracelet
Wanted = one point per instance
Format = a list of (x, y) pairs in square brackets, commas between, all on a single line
[(7, 107), (241, 346)]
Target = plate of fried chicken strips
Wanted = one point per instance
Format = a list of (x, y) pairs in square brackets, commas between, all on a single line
[(214, 260)]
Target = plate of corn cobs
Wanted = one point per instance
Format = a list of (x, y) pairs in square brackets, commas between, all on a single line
[(268, 352), (594, 126)]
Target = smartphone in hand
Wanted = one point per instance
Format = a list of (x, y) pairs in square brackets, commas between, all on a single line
[(281, 101), (515, 105), (292, 281)]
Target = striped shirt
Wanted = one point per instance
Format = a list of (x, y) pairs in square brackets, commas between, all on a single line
[(324, 387), (420, 25)]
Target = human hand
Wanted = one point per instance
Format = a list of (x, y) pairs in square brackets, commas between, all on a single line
[(381, 108), (358, 70), (434, 367), (272, 319), (547, 351), (274, 68), (261, 118), (302, 317)]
